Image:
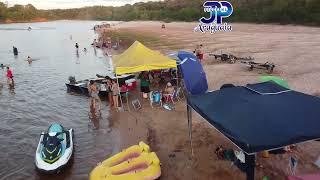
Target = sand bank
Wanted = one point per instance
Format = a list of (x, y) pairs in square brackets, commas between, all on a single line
[(294, 49)]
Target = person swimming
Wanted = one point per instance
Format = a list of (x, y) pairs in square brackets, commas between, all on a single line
[(77, 46), (3, 65), (29, 60), (85, 49)]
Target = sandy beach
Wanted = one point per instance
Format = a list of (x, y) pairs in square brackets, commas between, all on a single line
[(294, 49)]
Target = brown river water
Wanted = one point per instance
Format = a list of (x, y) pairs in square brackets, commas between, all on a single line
[(40, 97)]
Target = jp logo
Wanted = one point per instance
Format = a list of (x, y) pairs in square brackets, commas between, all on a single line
[(218, 10)]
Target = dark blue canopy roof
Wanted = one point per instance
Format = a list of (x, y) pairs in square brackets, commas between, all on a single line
[(193, 74), (261, 116)]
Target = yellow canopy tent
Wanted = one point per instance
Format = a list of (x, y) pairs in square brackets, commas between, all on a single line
[(139, 58)]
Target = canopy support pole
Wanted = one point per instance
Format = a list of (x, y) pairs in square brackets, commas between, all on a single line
[(189, 116), (119, 92), (251, 163), (177, 80)]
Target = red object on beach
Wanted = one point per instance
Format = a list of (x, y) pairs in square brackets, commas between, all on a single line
[(132, 85)]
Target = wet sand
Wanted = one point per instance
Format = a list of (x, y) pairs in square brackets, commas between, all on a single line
[(294, 49)]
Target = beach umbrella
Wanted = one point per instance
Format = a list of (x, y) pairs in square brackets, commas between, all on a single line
[(275, 79), (174, 55)]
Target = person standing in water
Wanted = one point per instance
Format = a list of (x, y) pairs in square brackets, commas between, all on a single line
[(10, 78), (94, 94), (115, 94), (109, 90), (15, 51), (29, 60)]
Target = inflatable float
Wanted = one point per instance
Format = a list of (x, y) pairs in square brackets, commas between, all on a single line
[(134, 163), (54, 149)]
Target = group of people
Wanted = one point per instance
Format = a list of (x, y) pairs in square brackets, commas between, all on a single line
[(15, 53), (145, 83), (113, 90), (77, 48), (104, 44), (99, 27), (113, 94)]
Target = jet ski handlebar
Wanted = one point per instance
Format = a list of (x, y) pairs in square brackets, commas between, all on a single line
[(57, 134)]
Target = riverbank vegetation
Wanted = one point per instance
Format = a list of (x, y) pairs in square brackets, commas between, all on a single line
[(257, 11)]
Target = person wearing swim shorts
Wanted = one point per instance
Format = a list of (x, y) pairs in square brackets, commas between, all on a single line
[(109, 90), (94, 95)]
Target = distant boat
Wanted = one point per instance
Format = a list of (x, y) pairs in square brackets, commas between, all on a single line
[(29, 28)]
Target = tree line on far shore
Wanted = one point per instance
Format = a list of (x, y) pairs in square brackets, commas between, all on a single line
[(257, 11)]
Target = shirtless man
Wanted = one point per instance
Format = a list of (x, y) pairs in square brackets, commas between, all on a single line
[(94, 95)]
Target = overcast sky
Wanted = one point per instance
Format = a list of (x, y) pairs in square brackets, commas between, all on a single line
[(53, 4)]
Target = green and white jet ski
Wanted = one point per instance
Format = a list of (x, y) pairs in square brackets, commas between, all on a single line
[(54, 149)]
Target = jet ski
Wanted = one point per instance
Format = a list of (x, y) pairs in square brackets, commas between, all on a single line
[(54, 149)]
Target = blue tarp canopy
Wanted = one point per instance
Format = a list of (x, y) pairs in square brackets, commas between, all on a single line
[(193, 75), (261, 116)]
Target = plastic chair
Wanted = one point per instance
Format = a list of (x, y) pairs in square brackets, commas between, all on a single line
[(136, 104), (169, 97), (155, 98)]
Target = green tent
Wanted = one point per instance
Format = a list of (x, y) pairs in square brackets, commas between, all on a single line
[(275, 79)]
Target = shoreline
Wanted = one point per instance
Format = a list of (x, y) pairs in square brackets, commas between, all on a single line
[(35, 20)]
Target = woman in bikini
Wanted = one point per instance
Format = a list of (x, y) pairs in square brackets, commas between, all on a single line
[(115, 94)]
